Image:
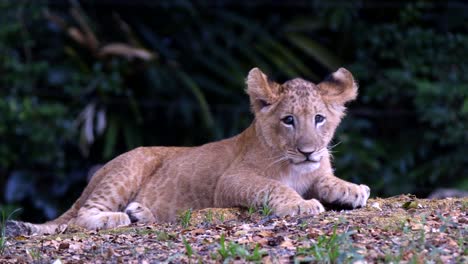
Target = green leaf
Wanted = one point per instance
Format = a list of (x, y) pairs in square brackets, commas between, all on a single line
[(278, 60), (316, 50), (235, 70), (132, 138), (110, 139), (196, 91), (303, 24), (215, 67), (294, 60), (410, 205), (464, 108)]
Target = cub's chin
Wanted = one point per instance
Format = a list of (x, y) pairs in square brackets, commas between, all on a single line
[(305, 167)]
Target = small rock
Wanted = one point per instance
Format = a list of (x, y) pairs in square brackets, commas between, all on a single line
[(376, 205), (360, 262)]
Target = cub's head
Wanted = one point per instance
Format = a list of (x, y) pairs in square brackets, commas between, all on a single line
[(297, 119)]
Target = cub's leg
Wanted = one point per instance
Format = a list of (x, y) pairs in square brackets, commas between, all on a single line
[(139, 213), (332, 190), (110, 190), (248, 189), (102, 209)]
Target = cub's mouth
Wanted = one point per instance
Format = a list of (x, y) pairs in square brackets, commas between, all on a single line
[(307, 161), (306, 165)]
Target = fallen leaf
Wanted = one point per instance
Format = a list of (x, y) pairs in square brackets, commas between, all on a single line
[(63, 246), (410, 205), (265, 233), (125, 50), (287, 244), (197, 232), (110, 252), (140, 250)]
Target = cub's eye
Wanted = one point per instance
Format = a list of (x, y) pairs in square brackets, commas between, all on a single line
[(319, 119), (288, 120)]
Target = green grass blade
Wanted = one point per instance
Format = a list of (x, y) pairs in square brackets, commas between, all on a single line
[(315, 50), (203, 104)]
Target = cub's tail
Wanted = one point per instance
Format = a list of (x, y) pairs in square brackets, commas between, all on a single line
[(58, 225), (17, 228)]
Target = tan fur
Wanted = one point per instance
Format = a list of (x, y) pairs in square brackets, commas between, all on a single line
[(261, 165)]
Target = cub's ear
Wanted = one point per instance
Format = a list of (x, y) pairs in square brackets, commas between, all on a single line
[(339, 87), (262, 92)]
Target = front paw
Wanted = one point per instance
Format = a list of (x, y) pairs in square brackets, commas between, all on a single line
[(310, 207), (359, 195)]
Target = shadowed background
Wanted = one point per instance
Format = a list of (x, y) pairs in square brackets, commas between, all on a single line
[(83, 81)]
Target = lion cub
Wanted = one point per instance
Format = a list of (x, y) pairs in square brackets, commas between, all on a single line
[(281, 159)]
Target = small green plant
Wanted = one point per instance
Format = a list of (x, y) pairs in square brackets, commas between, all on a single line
[(143, 231), (213, 255), (256, 254), (5, 218), (232, 250), (266, 209), (251, 210), (447, 222), (422, 234), (221, 217), (34, 253), (209, 217), (462, 242), (393, 258), (188, 248), (464, 206), (336, 248), (185, 218), (303, 225), (3, 234), (164, 236), (223, 252)]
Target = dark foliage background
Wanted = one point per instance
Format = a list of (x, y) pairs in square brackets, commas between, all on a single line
[(83, 81)]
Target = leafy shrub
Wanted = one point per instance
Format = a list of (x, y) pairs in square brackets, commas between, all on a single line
[(408, 133), (81, 84)]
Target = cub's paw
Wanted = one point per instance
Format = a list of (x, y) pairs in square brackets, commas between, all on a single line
[(310, 207), (358, 196), (114, 219), (102, 220), (139, 213)]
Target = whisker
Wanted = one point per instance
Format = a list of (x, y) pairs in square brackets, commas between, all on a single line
[(283, 164), (274, 157), (293, 154), (333, 146), (320, 151), (279, 160)]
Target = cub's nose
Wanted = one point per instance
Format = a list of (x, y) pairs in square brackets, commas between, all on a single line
[(305, 153)]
